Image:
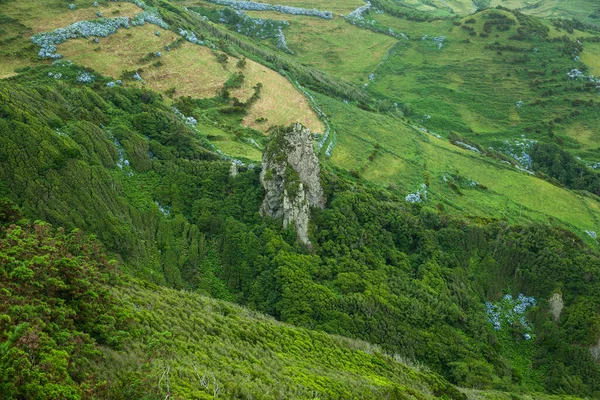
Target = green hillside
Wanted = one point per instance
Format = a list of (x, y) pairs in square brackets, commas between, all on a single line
[(456, 255)]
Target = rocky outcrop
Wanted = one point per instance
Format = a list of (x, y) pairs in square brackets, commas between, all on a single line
[(233, 170), (556, 305), (290, 177), (595, 351)]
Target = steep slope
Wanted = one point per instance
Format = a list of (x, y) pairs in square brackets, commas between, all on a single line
[(63, 305)]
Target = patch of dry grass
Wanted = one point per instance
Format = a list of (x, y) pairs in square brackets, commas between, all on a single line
[(280, 103), (193, 71), (44, 16)]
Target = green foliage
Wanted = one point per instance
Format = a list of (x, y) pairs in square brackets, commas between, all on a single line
[(55, 308), (561, 165), (196, 347)]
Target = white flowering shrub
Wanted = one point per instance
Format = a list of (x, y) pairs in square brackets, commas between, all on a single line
[(519, 150), (519, 104), (254, 6), (592, 234), (95, 4), (55, 75), (438, 41), (190, 36), (122, 162), (467, 146), (72, 6), (137, 77), (165, 210), (324, 137), (357, 17), (578, 75), (85, 29), (419, 196), (331, 145), (510, 311), (260, 28), (190, 121), (150, 17), (281, 42), (85, 77), (360, 11)]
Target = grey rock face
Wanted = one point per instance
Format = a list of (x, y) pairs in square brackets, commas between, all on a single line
[(595, 351), (233, 170), (556, 306), (290, 176)]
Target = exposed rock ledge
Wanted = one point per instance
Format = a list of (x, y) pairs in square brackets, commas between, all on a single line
[(290, 176)]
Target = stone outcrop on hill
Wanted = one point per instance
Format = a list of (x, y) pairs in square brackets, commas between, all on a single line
[(290, 177)]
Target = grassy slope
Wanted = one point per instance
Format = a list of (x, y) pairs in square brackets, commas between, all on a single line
[(193, 71), (579, 9), (333, 46), (31, 17), (252, 355), (408, 155), (467, 88), (245, 354)]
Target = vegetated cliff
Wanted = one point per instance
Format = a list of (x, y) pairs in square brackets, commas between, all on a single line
[(290, 176)]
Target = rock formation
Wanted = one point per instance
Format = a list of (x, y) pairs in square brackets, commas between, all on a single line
[(595, 351), (290, 176), (556, 305)]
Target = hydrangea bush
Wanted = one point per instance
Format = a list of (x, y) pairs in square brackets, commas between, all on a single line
[(519, 150), (281, 42), (189, 121), (85, 29), (437, 40), (254, 6), (419, 196), (331, 145), (510, 311), (467, 146), (85, 77), (151, 18), (357, 17), (190, 36), (252, 27)]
